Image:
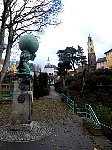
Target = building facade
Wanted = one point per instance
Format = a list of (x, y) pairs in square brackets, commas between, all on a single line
[(51, 70), (109, 58), (105, 62), (101, 63)]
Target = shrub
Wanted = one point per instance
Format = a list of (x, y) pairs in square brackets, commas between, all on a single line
[(46, 90), (105, 117), (104, 80), (41, 87), (43, 79), (104, 114), (57, 86), (88, 120), (75, 85), (91, 80), (65, 91)]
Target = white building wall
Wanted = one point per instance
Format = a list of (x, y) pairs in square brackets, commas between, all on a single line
[(49, 70), (101, 65)]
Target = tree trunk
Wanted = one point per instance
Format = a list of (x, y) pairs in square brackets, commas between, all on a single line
[(2, 35), (7, 57), (2, 29), (63, 82), (1, 43), (6, 62)]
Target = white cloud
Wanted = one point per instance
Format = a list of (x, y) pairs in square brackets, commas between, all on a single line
[(80, 18)]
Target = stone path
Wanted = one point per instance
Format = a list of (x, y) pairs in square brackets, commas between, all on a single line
[(67, 131), (53, 94)]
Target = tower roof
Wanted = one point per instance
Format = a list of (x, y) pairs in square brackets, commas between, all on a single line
[(108, 51), (101, 60), (89, 38), (50, 66)]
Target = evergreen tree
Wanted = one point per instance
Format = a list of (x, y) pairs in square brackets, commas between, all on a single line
[(63, 68), (40, 86), (36, 88), (73, 56), (80, 57)]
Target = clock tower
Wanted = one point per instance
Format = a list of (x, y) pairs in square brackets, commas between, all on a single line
[(91, 54)]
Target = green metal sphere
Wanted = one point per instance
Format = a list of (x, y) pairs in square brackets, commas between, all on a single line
[(28, 42)]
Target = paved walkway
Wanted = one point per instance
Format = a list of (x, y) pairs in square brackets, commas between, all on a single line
[(67, 135), (53, 94)]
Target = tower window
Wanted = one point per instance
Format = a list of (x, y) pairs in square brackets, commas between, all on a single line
[(90, 39), (91, 49)]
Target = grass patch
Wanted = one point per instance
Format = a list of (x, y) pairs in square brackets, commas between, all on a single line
[(5, 95)]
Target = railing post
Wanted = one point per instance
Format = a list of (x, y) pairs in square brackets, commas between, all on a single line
[(73, 107), (66, 99), (89, 112), (86, 111)]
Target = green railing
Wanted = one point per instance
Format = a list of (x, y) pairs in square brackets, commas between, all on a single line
[(88, 113), (91, 114), (69, 102)]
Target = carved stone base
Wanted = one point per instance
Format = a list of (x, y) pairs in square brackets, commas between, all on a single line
[(22, 102), (22, 127)]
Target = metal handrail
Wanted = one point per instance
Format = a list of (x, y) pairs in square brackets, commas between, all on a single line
[(91, 114), (69, 102), (89, 111)]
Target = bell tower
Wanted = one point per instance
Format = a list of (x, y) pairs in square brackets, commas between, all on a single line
[(91, 54)]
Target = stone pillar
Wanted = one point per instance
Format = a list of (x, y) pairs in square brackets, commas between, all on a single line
[(22, 102)]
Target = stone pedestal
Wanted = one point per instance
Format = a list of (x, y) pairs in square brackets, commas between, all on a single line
[(22, 103)]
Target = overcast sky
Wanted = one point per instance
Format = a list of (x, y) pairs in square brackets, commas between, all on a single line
[(79, 19)]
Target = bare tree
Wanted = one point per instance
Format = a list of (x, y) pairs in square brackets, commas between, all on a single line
[(22, 16)]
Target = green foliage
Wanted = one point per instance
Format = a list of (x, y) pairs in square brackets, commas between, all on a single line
[(72, 55), (104, 79), (75, 85), (105, 71), (5, 95), (43, 84), (36, 88), (43, 79), (91, 80), (105, 116), (41, 87), (63, 67), (92, 124), (58, 87), (65, 91)]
